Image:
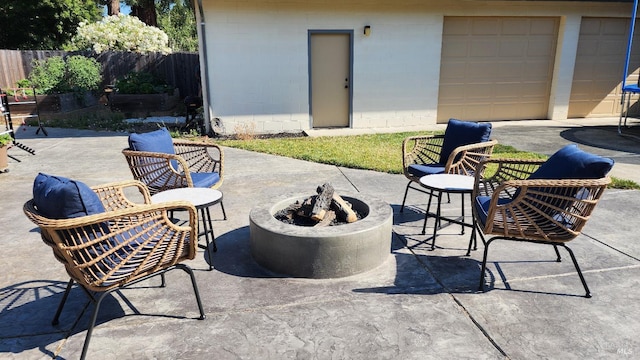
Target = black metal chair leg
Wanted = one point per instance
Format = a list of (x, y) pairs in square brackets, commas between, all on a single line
[(92, 324), (575, 263), (56, 318), (189, 271), (406, 191), (484, 264)]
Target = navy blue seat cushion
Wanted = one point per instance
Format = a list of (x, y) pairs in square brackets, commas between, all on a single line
[(57, 197), (155, 141), (423, 170), (482, 207), (572, 163), (205, 180), (459, 133)]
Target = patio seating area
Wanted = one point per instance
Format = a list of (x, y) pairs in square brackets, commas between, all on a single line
[(419, 304)]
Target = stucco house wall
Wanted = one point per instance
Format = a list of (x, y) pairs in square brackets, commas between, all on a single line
[(255, 56)]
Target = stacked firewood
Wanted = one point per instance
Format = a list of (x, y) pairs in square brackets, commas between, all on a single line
[(326, 208)]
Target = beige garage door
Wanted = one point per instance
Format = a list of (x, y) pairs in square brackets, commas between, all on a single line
[(496, 68), (597, 78)]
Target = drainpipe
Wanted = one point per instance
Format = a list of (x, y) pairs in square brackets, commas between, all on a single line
[(203, 52)]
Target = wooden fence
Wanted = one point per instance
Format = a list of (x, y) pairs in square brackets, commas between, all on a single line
[(180, 70)]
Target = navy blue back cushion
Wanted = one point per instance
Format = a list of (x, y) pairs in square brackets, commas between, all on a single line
[(155, 141), (57, 197), (572, 163), (459, 133)]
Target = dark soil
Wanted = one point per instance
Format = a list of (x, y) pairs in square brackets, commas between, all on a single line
[(282, 135)]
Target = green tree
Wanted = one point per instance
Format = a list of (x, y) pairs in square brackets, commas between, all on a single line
[(113, 6), (43, 24), (145, 10), (177, 20)]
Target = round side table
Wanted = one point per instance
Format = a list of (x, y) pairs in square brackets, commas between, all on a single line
[(438, 184), (202, 199)]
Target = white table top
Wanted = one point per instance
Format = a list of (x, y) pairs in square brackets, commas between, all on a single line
[(448, 182), (199, 197)]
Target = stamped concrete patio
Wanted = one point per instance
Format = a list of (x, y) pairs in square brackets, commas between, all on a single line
[(419, 304)]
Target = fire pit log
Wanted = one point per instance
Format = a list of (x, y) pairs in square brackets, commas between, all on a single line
[(303, 209), (344, 208), (322, 201), (328, 219)]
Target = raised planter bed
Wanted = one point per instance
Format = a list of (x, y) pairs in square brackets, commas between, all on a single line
[(129, 103)]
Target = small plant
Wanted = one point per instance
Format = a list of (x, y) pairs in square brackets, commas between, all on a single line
[(5, 139), (142, 83), (245, 131), (24, 83)]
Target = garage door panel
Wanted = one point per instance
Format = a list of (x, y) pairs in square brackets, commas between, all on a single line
[(457, 26), (514, 26), (457, 48), (482, 70), (544, 26), (540, 48), (609, 72), (613, 27), (452, 94), (509, 62), (611, 48), (454, 70), (483, 49), (511, 48), (508, 70), (485, 26)]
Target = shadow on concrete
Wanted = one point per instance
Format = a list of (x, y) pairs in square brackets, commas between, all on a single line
[(234, 256), (29, 323), (605, 137), (24, 132)]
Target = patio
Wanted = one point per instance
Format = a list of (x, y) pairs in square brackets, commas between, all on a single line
[(420, 304)]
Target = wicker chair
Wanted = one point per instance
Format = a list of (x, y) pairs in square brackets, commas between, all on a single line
[(512, 204), (175, 164), (427, 154), (125, 244)]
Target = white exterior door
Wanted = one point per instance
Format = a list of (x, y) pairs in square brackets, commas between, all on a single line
[(330, 57)]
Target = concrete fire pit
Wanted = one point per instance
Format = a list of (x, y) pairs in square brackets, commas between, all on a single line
[(322, 252)]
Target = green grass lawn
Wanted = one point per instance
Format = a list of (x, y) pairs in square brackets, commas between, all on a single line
[(378, 152)]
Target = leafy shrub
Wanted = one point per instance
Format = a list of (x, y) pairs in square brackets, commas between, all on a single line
[(47, 75), (120, 33), (142, 83), (55, 75), (83, 73)]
